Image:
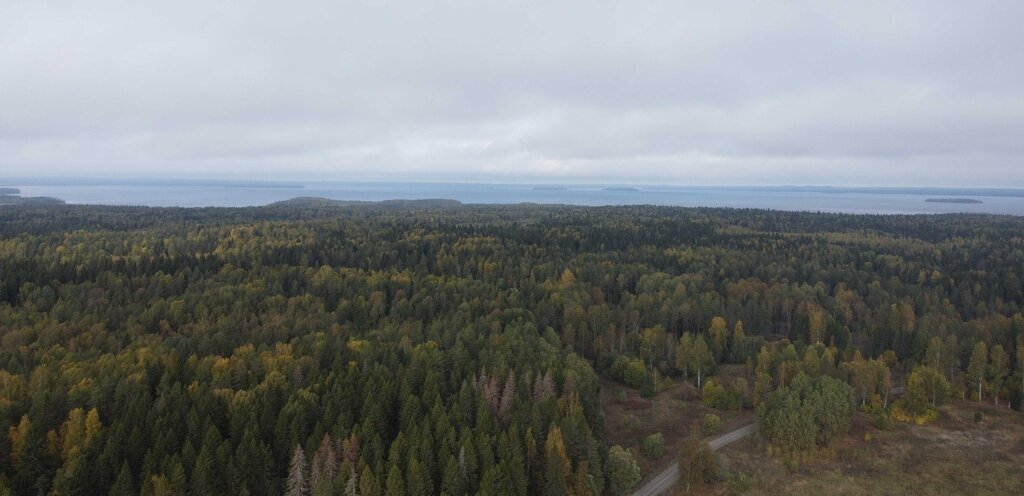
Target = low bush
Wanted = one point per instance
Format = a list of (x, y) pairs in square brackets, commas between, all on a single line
[(654, 446), (883, 421), (899, 414), (725, 395), (711, 425)]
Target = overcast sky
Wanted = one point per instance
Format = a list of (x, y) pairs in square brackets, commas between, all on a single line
[(814, 92)]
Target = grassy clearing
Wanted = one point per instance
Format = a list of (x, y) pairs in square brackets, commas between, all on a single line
[(673, 412), (954, 455)]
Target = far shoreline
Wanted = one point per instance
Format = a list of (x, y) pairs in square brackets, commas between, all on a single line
[(967, 201)]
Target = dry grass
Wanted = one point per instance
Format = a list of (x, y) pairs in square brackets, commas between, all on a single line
[(954, 455), (673, 412)]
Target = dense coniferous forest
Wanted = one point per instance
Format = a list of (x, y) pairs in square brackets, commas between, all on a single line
[(316, 347)]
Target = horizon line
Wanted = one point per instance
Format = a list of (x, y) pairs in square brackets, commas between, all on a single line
[(146, 180)]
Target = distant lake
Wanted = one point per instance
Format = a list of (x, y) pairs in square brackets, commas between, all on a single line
[(817, 199)]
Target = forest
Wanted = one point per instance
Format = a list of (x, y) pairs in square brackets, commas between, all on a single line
[(314, 347)]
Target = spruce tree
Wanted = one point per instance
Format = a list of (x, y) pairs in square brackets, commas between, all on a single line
[(557, 467), (123, 485), (395, 484)]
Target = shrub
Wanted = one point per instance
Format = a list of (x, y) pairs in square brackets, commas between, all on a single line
[(791, 462), (900, 414), (712, 394), (665, 384), (633, 372), (654, 446), (619, 366), (883, 421), (622, 471), (648, 385), (711, 425), (741, 483), (724, 396), (630, 422)]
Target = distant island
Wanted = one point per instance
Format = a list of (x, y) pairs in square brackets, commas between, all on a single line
[(954, 200), (30, 200), (620, 189), (317, 202), (11, 196)]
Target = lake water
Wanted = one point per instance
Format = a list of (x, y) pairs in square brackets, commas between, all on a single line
[(848, 200)]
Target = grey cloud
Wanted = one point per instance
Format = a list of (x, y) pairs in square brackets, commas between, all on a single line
[(723, 92)]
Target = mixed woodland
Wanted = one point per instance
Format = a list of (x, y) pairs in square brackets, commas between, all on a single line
[(314, 347)]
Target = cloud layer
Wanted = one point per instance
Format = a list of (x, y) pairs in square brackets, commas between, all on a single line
[(924, 93)]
